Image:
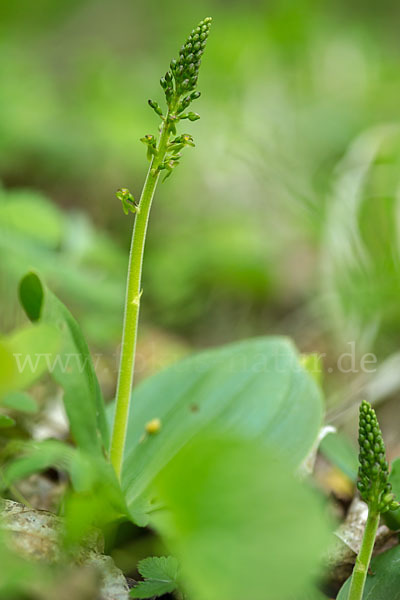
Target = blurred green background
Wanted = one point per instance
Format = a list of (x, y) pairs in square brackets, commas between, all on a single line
[(284, 218)]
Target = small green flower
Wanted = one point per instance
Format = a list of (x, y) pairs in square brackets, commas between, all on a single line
[(373, 472), (151, 144), (129, 203), (179, 85)]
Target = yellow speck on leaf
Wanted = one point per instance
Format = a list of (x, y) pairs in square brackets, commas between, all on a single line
[(153, 426)]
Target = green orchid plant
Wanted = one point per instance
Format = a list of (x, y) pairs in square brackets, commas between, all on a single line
[(164, 153)]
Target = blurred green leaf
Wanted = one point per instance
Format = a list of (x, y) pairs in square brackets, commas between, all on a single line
[(313, 365), (20, 401), (26, 354), (95, 499), (32, 215), (256, 388), (72, 368), (394, 477), (8, 368), (160, 574), (97, 502), (338, 449), (6, 421), (361, 258), (34, 457), (385, 581), (239, 521), (83, 264)]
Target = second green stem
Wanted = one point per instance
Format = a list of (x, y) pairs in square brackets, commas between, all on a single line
[(364, 558)]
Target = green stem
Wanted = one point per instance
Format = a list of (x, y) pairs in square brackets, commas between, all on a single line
[(364, 557), (132, 305)]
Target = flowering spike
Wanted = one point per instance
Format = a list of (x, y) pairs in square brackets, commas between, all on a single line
[(185, 70), (373, 473), (179, 85)]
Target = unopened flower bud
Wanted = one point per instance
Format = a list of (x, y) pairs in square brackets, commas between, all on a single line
[(373, 473)]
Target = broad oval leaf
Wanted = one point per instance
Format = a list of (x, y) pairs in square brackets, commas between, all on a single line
[(384, 584), (256, 388), (72, 368), (239, 521)]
